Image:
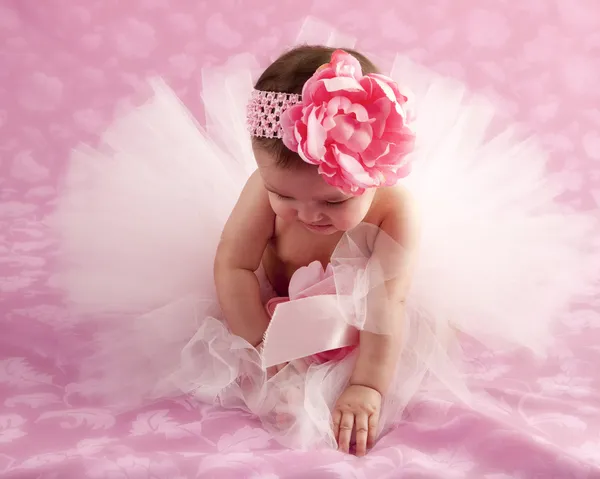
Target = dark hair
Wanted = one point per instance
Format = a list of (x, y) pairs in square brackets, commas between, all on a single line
[(288, 74)]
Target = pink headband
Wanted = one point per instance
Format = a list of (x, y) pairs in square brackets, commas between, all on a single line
[(354, 127), (264, 112)]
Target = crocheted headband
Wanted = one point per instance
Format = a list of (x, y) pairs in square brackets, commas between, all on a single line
[(354, 127)]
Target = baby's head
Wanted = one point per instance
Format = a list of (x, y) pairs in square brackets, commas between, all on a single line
[(318, 161)]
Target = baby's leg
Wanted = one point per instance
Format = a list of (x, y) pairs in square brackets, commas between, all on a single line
[(287, 383)]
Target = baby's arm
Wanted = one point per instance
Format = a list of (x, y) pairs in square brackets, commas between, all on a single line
[(378, 353), (359, 406), (239, 254)]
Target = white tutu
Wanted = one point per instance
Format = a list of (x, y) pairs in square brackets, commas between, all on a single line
[(140, 217)]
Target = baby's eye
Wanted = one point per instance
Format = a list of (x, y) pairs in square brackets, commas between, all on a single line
[(335, 203), (281, 197)]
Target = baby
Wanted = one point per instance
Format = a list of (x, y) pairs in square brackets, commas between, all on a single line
[(330, 137)]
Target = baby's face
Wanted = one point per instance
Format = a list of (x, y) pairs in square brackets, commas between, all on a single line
[(300, 194)]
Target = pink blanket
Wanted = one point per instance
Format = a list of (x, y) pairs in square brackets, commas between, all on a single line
[(64, 65)]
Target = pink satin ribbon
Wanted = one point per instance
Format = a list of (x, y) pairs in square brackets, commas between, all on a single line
[(308, 324)]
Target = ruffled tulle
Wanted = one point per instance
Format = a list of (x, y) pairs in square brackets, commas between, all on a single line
[(140, 216)]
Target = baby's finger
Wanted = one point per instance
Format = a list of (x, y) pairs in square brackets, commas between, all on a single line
[(337, 419), (346, 425), (362, 431), (373, 426)]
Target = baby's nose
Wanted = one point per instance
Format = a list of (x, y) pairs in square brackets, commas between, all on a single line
[(309, 215)]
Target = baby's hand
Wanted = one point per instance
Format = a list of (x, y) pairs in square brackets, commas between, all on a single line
[(357, 410)]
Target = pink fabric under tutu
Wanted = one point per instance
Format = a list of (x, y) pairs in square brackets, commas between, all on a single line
[(140, 216)]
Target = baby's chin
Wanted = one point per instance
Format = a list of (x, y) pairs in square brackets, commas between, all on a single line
[(332, 228)]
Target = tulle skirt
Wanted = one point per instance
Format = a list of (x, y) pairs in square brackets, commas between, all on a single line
[(139, 219)]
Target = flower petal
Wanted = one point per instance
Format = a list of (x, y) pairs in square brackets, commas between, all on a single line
[(359, 112), (315, 136), (387, 89), (354, 135), (345, 64), (288, 124), (353, 169), (342, 83), (361, 138)]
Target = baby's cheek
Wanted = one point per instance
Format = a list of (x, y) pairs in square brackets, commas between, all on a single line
[(283, 211), (347, 220)]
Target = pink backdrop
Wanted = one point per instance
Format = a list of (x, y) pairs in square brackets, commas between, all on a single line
[(64, 65)]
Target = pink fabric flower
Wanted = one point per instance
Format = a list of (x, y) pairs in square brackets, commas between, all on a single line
[(353, 126)]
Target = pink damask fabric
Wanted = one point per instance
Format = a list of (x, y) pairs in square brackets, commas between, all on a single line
[(64, 67)]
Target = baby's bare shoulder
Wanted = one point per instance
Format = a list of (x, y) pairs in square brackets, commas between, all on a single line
[(249, 227), (392, 205)]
